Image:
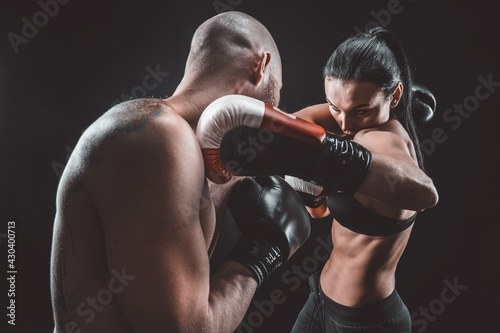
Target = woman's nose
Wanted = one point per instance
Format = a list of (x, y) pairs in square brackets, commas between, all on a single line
[(346, 124)]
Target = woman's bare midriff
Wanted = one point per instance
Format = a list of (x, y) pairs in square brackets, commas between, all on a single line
[(361, 268)]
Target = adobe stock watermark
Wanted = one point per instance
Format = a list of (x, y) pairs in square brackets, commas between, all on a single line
[(425, 315), (383, 17), (222, 6), (29, 29), (292, 279), (150, 82), (104, 297), (455, 115)]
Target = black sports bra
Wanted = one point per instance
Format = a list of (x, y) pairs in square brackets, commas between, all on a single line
[(354, 216)]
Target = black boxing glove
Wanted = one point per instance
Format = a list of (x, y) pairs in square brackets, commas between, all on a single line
[(424, 103), (273, 221), (244, 136)]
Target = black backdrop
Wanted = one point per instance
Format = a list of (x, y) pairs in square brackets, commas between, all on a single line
[(57, 78)]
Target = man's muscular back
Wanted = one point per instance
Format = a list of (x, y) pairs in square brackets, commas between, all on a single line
[(134, 217)]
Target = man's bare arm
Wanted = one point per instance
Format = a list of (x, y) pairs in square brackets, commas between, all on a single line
[(148, 193)]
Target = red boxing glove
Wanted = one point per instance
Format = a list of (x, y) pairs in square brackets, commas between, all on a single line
[(244, 136)]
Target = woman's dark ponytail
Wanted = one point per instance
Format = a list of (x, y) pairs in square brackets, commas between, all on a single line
[(404, 111)]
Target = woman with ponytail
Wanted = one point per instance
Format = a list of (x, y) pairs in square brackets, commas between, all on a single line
[(371, 100)]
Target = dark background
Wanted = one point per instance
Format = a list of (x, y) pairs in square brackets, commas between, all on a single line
[(92, 52)]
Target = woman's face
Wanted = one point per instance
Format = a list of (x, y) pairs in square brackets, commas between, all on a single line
[(359, 105)]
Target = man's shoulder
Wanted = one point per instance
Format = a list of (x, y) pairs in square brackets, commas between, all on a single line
[(135, 115), (138, 119), (136, 129)]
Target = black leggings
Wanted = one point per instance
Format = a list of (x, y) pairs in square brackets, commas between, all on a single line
[(322, 314)]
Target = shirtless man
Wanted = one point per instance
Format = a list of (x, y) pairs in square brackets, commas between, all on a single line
[(136, 216)]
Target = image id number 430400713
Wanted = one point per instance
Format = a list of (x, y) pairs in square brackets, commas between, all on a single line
[(11, 272)]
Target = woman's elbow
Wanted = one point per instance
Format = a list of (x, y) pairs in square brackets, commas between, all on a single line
[(428, 197)]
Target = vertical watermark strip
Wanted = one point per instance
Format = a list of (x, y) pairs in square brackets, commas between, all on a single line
[(11, 272)]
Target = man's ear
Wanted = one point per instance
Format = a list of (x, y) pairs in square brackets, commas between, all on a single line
[(261, 66), (397, 94)]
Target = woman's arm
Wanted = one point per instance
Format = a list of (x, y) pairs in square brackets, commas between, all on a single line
[(320, 115), (394, 177)]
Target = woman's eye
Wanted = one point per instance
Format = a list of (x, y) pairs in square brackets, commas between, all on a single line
[(360, 112), (334, 108)]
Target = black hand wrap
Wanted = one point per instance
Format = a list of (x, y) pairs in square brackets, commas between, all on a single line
[(342, 165), (257, 254)]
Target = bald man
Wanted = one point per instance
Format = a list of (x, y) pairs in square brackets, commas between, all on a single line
[(136, 216)]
